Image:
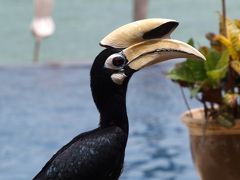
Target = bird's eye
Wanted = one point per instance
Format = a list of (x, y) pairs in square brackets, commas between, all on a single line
[(115, 61), (118, 61)]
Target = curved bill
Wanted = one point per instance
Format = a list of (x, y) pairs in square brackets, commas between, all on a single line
[(157, 50), (139, 31)]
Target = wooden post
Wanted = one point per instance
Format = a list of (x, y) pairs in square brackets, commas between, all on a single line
[(140, 9)]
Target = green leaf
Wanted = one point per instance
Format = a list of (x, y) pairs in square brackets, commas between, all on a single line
[(195, 90), (225, 121), (221, 67), (191, 42), (223, 62), (202, 73), (236, 66), (217, 74), (197, 69), (181, 72), (212, 59)]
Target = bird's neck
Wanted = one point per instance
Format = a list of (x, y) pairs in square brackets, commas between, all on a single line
[(111, 104)]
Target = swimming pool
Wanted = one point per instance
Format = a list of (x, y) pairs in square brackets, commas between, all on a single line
[(43, 107)]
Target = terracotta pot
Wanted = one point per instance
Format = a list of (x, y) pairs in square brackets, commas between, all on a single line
[(215, 150)]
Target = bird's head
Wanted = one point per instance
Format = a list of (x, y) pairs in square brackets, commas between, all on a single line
[(137, 45), (129, 49)]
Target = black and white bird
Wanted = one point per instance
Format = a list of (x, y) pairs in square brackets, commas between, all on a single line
[(99, 154)]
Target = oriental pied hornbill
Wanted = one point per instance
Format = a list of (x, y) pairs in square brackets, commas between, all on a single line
[(99, 154)]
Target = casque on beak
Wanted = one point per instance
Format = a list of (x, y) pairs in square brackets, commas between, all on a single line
[(139, 31), (147, 42)]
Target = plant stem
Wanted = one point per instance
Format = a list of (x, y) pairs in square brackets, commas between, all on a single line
[(205, 109), (140, 9), (186, 102), (224, 18)]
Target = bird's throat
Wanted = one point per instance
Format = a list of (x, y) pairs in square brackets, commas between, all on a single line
[(111, 104)]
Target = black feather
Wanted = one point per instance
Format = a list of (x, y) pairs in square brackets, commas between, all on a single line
[(97, 154)]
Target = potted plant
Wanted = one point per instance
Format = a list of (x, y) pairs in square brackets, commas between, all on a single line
[(215, 128)]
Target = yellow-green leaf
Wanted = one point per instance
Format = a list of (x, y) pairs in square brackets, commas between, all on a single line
[(236, 66), (225, 121), (223, 62)]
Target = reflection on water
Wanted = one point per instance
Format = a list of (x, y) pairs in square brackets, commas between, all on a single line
[(42, 108)]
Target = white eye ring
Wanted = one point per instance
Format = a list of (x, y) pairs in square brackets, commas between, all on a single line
[(115, 62)]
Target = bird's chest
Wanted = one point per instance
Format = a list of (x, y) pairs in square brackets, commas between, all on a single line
[(103, 162), (90, 160)]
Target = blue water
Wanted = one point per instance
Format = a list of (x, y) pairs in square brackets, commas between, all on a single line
[(44, 107)]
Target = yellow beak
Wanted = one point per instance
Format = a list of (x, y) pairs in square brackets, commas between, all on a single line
[(157, 50), (147, 42)]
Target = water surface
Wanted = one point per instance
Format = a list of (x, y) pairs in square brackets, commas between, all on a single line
[(43, 108)]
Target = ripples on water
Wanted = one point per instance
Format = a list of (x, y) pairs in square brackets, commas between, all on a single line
[(42, 108)]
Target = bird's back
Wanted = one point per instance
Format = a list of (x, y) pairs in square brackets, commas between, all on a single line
[(94, 155)]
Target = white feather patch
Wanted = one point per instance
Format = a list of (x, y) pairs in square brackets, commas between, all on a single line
[(118, 78)]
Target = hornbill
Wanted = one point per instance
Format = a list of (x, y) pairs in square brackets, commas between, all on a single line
[(99, 154)]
